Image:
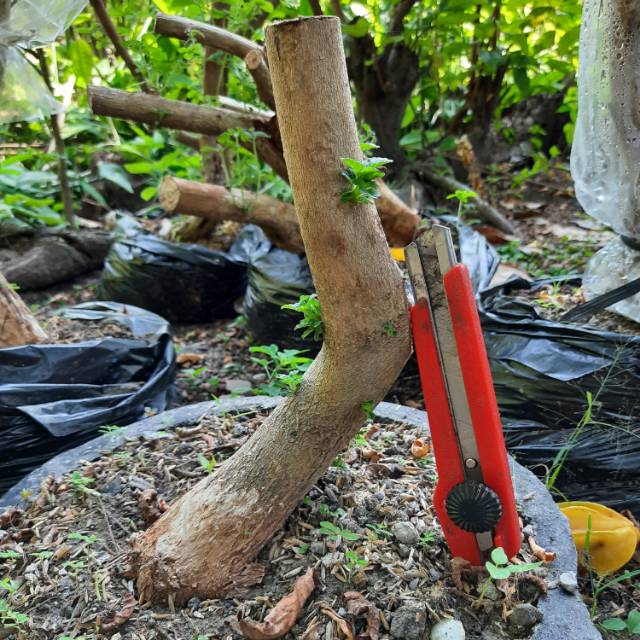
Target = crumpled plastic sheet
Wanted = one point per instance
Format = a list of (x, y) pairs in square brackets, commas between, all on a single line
[(605, 155), (31, 24), (56, 396)]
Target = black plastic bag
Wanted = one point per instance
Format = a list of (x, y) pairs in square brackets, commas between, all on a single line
[(57, 396), (542, 372), (276, 277), (186, 283)]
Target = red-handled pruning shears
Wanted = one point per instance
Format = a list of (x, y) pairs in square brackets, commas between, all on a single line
[(474, 498)]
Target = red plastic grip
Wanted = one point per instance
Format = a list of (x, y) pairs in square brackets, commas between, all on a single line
[(483, 406)]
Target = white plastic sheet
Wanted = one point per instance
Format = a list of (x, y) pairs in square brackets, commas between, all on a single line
[(31, 24), (605, 158)]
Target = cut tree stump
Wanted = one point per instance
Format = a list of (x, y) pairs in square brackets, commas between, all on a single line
[(18, 325), (214, 202), (203, 546)]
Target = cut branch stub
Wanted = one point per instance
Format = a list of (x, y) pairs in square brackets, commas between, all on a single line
[(214, 202), (204, 544), (18, 325)]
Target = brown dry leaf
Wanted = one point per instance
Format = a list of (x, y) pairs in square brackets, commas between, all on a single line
[(539, 582), (343, 625), (371, 454), (457, 566), (186, 358), (151, 506), (539, 552), (122, 616), (373, 429), (420, 448), (358, 605), (283, 616), (10, 517), (468, 158)]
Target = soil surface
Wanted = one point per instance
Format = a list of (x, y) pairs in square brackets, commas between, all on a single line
[(367, 527)]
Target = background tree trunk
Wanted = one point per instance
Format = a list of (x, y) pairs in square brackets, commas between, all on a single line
[(203, 544), (18, 326)]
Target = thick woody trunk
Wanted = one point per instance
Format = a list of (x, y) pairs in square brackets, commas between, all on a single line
[(17, 324), (215, 203), (204, 544)]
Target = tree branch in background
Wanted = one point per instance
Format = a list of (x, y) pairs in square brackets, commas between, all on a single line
[(400, 12), (315, 7), (5, 13), (223, 40), (174, 114), (113, 35), (486, 211), (65, 189), (18, 325), (213, 202)]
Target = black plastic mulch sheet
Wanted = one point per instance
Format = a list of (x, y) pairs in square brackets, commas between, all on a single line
[(543, 371), (57, 396), (185, 283)]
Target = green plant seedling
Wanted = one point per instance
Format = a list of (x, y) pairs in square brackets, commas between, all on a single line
[(81, 484), (81, 537), (332, 531), (207, 464), (500, 568), (311, 323), (9, 618), (284, 368), (631, 625), (111, 429), (354, 561), (361, 176), (426, 538), (603, 584)]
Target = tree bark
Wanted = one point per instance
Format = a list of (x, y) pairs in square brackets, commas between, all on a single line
[(214, 202), (218, 38), (18, 325), (203, 544)]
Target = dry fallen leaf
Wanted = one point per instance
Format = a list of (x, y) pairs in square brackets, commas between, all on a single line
[(151, 506), (122, 616), (539, 552), (420, 448), (371, 454), (282, 617), (358, 605), (313, 630), (189, 358), (343, 625), (457, 566)]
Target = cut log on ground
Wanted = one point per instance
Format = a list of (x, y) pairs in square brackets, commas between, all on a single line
[(218, 38), (485, 211), (214, 202), (204, 544), (18, 325)]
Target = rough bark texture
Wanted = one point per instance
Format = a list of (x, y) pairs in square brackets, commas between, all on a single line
[(203, 544), (223, 40), (214, 202), (17, 324)]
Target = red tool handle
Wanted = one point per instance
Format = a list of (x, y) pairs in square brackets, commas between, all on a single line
[(484, 414), (483, 405)]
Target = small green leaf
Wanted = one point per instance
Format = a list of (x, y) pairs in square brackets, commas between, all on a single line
[(148, 193), (614, 624), (633, 621), (499, 556), (357, 29), (497, 573), (114, 173)]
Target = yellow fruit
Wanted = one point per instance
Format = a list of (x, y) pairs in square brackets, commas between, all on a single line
[(613, 538)]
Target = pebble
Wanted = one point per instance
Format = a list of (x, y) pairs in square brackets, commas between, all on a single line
[(523, 617), (569, 582), (332, 559), (409, 622), (448, 630), (194, 603), (491, 592), (404, 550), (528, 531), (405, 533), (237, 385), (317, 548)]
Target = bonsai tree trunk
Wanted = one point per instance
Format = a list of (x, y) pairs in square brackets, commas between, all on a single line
[(18, 326), (204, 544)]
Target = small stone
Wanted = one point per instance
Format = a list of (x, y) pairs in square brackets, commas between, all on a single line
[(317, 548), (194, 603), (331, 559), (523, 617), (404, 550), (405, 533), (491, 592), (569, 582), (528, 531), (448, 630), (409, 622)]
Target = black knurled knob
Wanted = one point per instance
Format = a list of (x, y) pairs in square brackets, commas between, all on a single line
[(473, 506)]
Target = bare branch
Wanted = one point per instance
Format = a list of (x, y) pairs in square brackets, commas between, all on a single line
[(400, 12)]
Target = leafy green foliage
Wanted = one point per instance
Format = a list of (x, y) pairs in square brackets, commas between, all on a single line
[(500, 568), (284, 369), (311, 323), (361, 176), (631, 625), (329, 529), (80, 484), (207, 464)]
